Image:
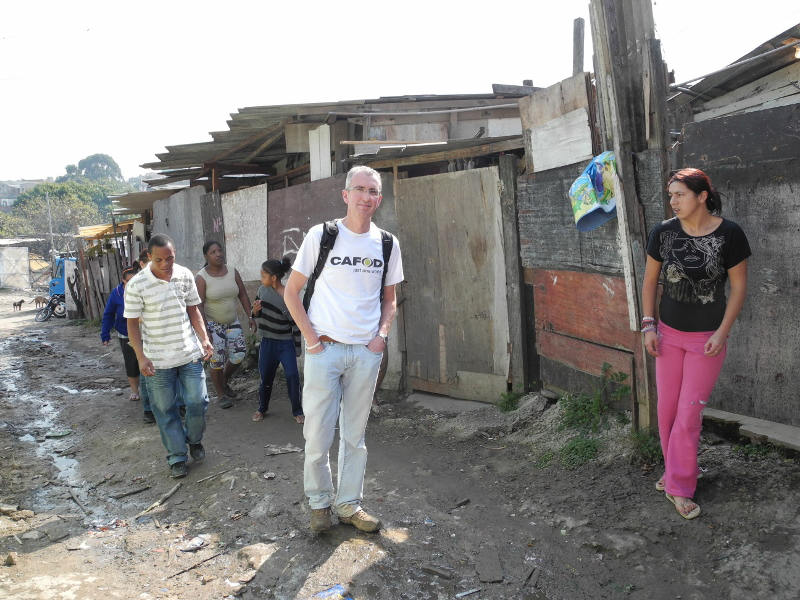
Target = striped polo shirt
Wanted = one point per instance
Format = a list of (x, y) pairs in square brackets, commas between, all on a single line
[(168, 338)]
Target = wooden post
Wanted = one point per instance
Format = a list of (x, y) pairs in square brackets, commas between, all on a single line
[(517, 377), (87, 295), (621, 30), (577, 46)]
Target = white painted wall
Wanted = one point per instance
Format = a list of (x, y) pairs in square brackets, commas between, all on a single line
[(180, 217), (245, 216), (15, 270)]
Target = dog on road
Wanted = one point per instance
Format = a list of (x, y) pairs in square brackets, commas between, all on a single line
[(18, 305), (40, 301)]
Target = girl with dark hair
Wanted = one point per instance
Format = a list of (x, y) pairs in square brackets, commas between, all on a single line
[(219, 287), (280, 338), (693, 254)]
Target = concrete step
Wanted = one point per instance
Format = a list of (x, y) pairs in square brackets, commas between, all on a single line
[(758, 430)]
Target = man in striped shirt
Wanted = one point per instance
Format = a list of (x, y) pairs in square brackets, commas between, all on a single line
[(170, 344)]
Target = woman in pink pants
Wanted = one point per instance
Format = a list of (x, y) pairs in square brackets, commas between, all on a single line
[(693, 254)]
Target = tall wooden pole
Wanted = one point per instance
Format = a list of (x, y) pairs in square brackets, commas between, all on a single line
[(632, 121), (577, 46)]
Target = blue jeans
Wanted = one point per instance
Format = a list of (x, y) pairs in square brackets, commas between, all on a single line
[(144, 393), (339, 382), (163, 388), (270, 353)]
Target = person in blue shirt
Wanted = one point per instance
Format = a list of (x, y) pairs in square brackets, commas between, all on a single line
[(113, 319)]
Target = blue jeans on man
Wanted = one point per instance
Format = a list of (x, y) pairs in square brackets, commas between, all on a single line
[(144, 393), (164, 386), (339, 383)]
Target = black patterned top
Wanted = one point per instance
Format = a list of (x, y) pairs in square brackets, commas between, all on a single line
[(694, 270)]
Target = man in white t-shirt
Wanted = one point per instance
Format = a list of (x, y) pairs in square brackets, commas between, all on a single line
[(346, 330)]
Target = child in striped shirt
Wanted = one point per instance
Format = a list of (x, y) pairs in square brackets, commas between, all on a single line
[(280, 338)]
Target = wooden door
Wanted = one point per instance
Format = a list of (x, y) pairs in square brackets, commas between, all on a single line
[(455, 314)]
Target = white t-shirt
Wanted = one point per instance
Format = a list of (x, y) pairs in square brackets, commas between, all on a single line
[(346, 301)]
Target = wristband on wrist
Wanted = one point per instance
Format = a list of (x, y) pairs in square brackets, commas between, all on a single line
[(314, 346)]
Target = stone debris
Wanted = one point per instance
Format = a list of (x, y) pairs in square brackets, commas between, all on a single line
[(274, 449), (256, 555), (195, 544), (550, 394), (22, 514), (10, 559), (442, 572), (33, 534), (488, 565), (247, 576), (7, 509)]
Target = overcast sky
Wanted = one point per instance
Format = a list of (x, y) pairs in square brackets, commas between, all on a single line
[(128, 78)]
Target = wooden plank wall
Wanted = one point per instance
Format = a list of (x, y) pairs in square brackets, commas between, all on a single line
[(555, 124), (550, 244), (213, 221), (754, 160)]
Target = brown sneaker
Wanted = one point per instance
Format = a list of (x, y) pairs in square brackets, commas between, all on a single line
[(362, 521), (320, 519)]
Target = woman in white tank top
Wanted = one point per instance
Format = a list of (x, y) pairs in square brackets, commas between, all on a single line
[(219, 287)]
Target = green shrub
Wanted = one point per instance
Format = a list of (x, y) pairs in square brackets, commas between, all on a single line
[(646, 447), (509, 401), (589, 412), (578, 451)]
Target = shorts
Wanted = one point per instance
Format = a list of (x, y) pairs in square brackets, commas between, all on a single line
[(229, 344), (129, 355)]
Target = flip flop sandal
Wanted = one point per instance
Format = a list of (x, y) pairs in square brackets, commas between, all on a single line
[(134, 397), (258, 416), (695, 512)]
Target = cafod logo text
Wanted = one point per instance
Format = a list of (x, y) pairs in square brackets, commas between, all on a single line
[(356, 260)]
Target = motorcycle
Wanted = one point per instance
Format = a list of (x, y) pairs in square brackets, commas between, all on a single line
[(56, 305)]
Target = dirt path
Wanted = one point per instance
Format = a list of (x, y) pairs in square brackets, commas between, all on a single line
[(466, 500)]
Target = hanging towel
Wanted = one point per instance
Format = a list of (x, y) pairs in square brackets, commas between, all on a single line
[(592, 194)]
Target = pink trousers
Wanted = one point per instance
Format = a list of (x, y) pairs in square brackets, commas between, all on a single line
[(685, 377)]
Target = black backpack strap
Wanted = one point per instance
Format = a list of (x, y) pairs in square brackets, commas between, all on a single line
[(387, 242), (329, 232)]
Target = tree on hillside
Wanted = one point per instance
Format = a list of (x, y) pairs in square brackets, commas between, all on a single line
[(99, 167), (96, 167), (72, 204)]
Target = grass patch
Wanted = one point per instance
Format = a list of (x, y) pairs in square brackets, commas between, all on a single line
[(646, 447), (578, 451), (509, 401), (544, 460), (583, 412), (754, 451), (589, 412)]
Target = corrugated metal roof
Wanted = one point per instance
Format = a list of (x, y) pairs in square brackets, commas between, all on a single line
[(95, 232), (255, 142), (725, 81)]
